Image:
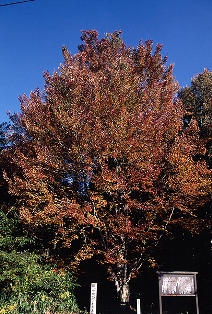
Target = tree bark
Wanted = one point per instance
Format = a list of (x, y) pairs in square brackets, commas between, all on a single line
[(125, 293)]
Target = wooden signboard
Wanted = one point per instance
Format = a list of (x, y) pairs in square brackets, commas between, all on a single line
[(177, 284)]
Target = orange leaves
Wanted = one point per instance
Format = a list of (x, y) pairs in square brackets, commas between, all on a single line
[(191, 179), (102, 154), (98, 201)]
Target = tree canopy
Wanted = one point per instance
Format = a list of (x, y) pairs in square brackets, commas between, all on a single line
[(102, 155)]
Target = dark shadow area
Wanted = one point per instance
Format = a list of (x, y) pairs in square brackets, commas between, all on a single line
[(107, 301), (179, 305), (182, 253)]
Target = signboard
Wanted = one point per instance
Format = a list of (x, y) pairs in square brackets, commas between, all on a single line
[(177, 284), (182, 285), (93, 298)]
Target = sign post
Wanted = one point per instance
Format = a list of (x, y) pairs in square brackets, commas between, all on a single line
[(177, 284), (138, 306), (93, 298)]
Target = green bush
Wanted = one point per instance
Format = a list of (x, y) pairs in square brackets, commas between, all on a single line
[(27, 285)]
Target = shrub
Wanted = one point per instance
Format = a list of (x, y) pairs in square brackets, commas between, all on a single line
[(27, 285)]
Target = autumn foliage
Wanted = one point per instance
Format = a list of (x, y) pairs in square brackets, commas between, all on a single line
[(103, 155)]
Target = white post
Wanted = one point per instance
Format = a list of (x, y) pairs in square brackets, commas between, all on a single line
[(138, 306), (93, 298)]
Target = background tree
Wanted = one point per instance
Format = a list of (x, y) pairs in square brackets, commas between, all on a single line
[(102, 156), (197, 100), (4, 127)]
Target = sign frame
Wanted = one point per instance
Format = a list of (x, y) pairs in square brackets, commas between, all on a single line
[(177, 283)]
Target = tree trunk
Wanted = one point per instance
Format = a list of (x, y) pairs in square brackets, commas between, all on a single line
[(125, 293), (124, 298)]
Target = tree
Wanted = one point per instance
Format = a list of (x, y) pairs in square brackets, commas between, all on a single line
[(197, 100), (3, 138), (103, 157)]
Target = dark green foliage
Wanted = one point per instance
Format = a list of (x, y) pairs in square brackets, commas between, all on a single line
[(197, 101), (4, 127), (11, 236)]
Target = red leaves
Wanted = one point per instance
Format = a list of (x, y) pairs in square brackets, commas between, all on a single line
[(106, 158)]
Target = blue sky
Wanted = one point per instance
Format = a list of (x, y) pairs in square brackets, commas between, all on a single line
[(32, 34)]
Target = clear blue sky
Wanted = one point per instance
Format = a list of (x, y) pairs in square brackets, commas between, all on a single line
[(32, 34)]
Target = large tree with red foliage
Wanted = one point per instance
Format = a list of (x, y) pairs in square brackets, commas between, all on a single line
[(103, 156)]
